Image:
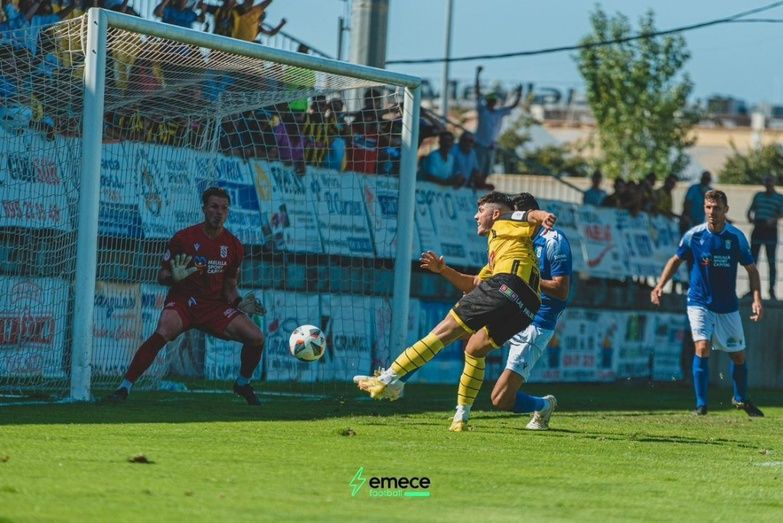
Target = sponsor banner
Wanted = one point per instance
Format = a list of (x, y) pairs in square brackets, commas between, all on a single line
[(116, 328), (167, 197), (380, 332), (637, 235), (381, 195), (33, 190), (449, 229), (285, 312), (288, 221), (665, 236), (584, 348), (603, 248), (153, 298), (119, 209), (567, 224), (339, 208), (222, 357), (447, 366), (634, 358), (344, 320), (233, 175), (668, 333), (33, 316)]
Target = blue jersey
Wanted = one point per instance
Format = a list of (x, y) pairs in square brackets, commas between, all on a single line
[(554, 259), (713, 277)]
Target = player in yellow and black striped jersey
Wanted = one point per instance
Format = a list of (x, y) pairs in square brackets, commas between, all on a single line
[(498, 302)]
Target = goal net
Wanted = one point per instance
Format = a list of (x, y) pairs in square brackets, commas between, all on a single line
[(312, 153)]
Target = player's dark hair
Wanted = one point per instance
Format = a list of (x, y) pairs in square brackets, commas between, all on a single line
[(525, 201), (215, 191), (716, 196), (495, 197)]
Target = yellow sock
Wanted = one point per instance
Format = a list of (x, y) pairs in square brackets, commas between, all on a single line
[(471, 380), (416, 355)]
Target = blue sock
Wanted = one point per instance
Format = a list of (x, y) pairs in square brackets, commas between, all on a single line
[(701, 379), (242, 381), (525, 403), (739, 377)]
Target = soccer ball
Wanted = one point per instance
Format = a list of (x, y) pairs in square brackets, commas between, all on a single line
[(307, 343)]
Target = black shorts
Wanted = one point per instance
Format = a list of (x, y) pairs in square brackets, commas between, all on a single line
[(504, 304)]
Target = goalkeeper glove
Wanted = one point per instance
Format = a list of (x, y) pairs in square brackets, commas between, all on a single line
[(180, 269), (250, 305)]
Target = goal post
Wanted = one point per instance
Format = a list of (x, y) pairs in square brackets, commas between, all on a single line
[(162, 113)]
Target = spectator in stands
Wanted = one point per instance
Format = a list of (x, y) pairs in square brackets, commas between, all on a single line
[(371, 113), (647, 193), (594, 195), (320, 128), (249, 20), (438, 166), (363, 148), (290, 145), (663, 197), (465, 161), (297, 78), (274, 30), (693, 206), (490, 120), (764, 212), (179, 13), (617, 198), (336, 156), (225, 17)]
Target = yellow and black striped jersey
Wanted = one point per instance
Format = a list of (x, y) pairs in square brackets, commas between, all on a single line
[(510, 249)]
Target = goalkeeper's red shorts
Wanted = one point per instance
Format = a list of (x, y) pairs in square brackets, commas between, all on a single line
[(209, 316)]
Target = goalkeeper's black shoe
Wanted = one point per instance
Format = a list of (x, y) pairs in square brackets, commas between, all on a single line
[(699, 411), (247, 392), (749, 408), (118, 396)]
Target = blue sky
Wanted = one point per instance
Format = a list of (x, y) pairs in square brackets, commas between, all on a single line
[(742, 60)]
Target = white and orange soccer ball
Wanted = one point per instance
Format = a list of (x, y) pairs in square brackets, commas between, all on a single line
[(307, 343)]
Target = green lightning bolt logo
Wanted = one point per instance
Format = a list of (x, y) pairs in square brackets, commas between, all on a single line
[(357, 481)]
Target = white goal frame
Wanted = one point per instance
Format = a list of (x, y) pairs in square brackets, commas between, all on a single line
[(98, 23)]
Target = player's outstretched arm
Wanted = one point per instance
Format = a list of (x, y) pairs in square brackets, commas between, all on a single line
[(434, 263), (755, 288), (669, 270)]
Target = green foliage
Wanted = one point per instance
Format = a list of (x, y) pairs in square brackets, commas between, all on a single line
[(638, 97), (549, 159), (751, 168), (616, 452)]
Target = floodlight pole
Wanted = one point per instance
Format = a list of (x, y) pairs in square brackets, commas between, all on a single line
[(89, 200), (444, 91)]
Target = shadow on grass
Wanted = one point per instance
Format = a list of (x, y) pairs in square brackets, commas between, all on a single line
[(292, 402)]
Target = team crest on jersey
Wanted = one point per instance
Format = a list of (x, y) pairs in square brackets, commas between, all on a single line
[(223, 251), (539, 251), (727, 244), (196, 246)]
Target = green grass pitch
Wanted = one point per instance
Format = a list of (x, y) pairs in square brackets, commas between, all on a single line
[(621, 452)]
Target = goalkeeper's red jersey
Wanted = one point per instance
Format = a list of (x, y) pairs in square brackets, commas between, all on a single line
[(216, 260)]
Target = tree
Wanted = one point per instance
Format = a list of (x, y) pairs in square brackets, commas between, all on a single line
[(553, 160), (638, 97), (751, 168)]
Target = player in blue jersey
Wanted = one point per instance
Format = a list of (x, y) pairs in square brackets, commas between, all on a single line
[(526, 347), (715, 248)]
